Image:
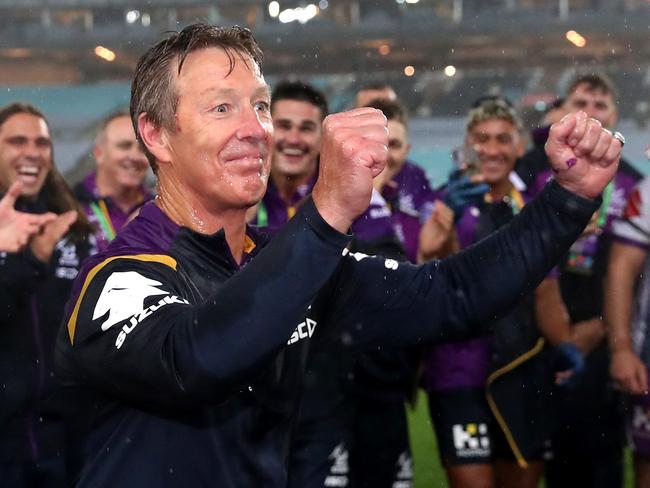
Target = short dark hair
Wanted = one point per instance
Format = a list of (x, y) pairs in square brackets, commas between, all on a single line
[(20, 108), (392, 109), (55, 193), (302, 92), (152, 90), (595, 81)]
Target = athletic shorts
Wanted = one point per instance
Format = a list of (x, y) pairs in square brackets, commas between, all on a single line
[(463, 425)]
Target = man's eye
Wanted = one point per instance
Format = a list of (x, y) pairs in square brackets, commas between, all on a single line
[(262, 106), (221, 109)]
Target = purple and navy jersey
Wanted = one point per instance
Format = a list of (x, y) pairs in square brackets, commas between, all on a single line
[(107, 217), (194, 362), (411, 205), (633, 229), (467, 364), (377, 222), (584, 268), (273, 212)]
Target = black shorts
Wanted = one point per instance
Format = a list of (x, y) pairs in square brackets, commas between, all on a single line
[(467, 431), (464, 426)]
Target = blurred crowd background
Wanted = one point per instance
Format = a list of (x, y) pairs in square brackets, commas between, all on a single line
[(74, 58)]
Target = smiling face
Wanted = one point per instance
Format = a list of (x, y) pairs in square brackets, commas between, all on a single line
[(596, 102), (218, 154), (25, 152), (297, 136), (120, 161), (498, 145)]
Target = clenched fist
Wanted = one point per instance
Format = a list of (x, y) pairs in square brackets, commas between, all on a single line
[(353, 151), (584, 156)]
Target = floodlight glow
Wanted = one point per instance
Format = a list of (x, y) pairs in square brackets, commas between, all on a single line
[(412, 1), (450, 70), (146, 20), (576, 39), (105, 53), (132, 16), (384, 49), (323, 4), (300, 14), (409, 70), (274, 9)]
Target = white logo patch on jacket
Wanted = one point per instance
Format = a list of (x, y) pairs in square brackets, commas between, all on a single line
[(304, 330), (123, 297)]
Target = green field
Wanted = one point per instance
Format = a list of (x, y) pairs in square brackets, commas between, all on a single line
[(428, 471)]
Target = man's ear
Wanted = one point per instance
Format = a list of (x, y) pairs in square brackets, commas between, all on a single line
[(154, 138), (98, 151)]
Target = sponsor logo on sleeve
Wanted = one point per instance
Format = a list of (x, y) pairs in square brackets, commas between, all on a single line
[(123, 299)]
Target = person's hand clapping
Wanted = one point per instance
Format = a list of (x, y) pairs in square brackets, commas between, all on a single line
[(16, 227), (42, 245), (353, 151), (583, 155)]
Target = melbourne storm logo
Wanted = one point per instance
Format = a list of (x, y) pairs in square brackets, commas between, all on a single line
[(123, 298)]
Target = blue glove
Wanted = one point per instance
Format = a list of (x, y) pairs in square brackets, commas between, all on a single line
[(462, 193), (570, 359)]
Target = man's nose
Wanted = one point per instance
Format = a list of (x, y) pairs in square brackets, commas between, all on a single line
[(32, 150), (251, 127)]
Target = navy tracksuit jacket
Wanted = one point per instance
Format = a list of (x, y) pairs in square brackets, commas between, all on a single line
[(194, 364)]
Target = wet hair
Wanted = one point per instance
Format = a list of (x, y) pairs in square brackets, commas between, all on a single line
[(594, 81), (392, 109), (153, 91), (491, 109), (55, 193), (301, 92)]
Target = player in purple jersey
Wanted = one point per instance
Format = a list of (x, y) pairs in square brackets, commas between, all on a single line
[(627, 304), (588, 443), (325, 429), (501, 441)]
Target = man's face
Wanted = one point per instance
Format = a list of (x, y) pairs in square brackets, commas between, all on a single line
[(364, 97), (595, 103), (498, 145), (25, 152), (220, 149), (297, 135), (119, 158), (398, 145)]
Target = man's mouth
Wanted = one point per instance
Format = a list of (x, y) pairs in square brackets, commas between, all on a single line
[(28, 173), (132, 167), (292, 151)]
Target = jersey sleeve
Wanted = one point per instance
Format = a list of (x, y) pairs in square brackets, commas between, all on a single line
[(135, 334), (633, 227), (381, 301)]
